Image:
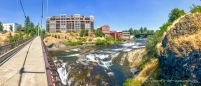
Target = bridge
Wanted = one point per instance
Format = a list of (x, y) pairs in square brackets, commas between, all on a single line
[(27, 63), (143, 35)]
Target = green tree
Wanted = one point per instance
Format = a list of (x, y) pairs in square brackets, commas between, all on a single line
[(1, 27), (131, 31), (141, 30), (99, 33), (11, 28), (31, 25), (27, 22), (36, 29), (19, 27), (20, 35), (86, 32), (82, 33), (4, 31), (109, 38), (43, 32), (195, 8), (175, 14), (145, 30)]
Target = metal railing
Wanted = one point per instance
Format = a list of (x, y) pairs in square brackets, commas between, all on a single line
[(53, 78), (5, 48)]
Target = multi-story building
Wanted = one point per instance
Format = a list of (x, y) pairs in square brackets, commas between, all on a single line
[(7, 26), (64, 23)]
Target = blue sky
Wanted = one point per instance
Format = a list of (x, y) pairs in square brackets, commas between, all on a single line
[(118, 14)]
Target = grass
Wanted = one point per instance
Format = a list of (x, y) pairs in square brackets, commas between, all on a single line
[(145, 73), (71, 34), (90, 40)]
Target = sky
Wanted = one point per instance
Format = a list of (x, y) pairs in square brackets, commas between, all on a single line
[(118, 14)]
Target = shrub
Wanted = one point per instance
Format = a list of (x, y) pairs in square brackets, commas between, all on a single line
[(71, 34), (4, 31), (83, 39), (90, 40), (46, 41), (118, 42), (59, 37), (73, 43), (102, 42)]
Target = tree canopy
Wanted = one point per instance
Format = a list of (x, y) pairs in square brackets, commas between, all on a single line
[(27, 22), (195, 8), (84, 32), (1, 26), (98, 33), (19, 27), (139, 31), (175, 14)]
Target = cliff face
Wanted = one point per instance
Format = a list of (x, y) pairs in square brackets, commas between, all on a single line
[(181, 56)]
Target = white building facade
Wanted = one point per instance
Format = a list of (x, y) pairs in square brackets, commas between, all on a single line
[(6, 26)]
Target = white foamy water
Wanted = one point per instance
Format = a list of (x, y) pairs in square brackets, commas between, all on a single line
[(102, 56), (110, 73), (128, 44), (118, 49), (99, 59), (122, 59), (67, 50), (126, 50), (76, 49), (73, 55), (63, 73), (136, 47)]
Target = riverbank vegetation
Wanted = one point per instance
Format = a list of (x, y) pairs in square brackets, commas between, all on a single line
[(108, 40), (149, 65)]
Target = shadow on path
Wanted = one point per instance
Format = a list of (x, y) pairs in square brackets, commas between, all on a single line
[(22, 69)]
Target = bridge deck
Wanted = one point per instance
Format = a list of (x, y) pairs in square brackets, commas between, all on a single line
[(26, 68)]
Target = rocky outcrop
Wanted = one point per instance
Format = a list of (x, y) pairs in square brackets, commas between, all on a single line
[(181, 58)]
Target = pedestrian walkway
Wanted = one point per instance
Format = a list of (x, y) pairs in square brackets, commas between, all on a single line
[(26, 68)]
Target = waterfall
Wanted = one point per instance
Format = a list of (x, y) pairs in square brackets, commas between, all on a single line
[(122, 59), (63, 73), (104, 60)]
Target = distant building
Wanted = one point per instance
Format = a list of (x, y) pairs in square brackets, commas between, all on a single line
[(64, 23), (116, 34), (126, 35), (6, 26), (106, 31)]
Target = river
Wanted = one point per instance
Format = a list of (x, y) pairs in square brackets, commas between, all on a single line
[(96, 65)]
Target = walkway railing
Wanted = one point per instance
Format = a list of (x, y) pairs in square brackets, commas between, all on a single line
[(53, 78), (8, 47)]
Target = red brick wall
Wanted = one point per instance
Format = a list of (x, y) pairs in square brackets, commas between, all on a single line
[(105, 29)]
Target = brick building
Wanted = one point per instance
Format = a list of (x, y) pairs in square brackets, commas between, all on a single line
[(64, 23), (106, 31)]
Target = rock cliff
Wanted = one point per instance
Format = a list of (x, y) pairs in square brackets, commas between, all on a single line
[(181, 55)]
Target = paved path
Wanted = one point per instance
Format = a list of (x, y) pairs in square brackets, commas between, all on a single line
[(26, 68)]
